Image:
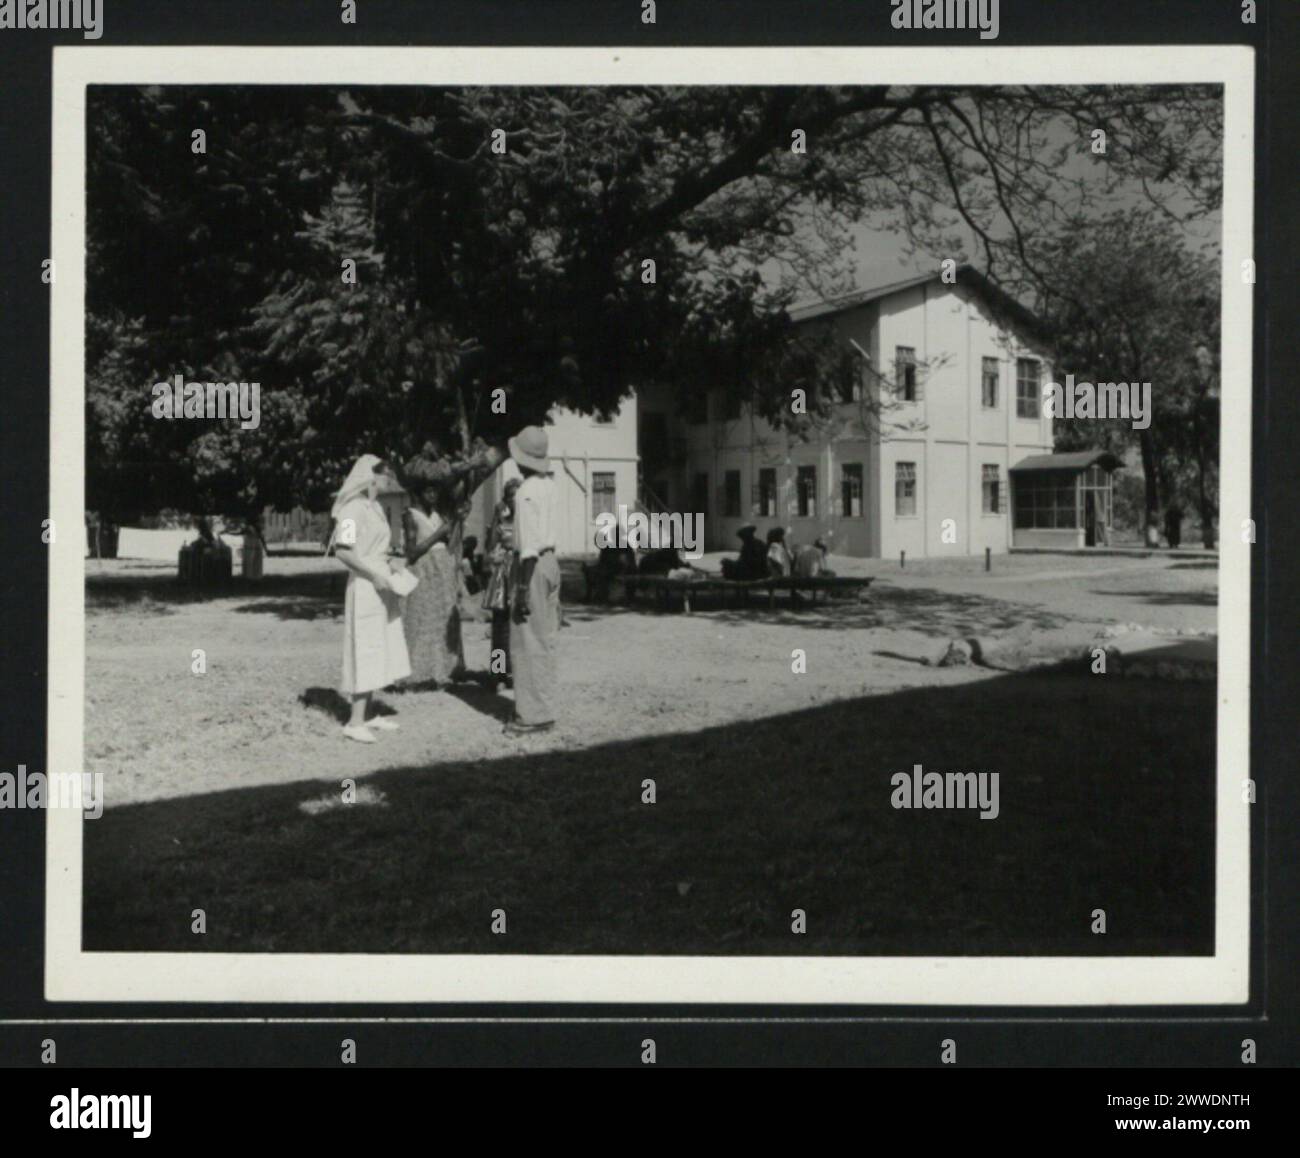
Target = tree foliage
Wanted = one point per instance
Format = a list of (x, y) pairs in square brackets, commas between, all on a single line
[(1129, 301), (500, 236)]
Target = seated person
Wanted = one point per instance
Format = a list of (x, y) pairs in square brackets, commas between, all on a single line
[(611, 562), (614, 561), (752, 560), (660, 561), (667, 561), (779, 563), (810, 561)]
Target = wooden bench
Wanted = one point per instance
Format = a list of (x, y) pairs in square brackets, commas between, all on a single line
[(664, 588)]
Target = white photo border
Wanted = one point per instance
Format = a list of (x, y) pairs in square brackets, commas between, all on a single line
[(74, 975)]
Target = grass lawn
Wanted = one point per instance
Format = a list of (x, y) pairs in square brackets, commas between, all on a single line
[(1106, 802)]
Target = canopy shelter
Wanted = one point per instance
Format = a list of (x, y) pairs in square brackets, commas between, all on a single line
[(1063, 500)]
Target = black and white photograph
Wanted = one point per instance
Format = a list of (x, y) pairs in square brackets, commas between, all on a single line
[(654, 524)]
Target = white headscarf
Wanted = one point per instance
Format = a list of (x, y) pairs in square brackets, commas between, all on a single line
[(358, 481), (354, 486)]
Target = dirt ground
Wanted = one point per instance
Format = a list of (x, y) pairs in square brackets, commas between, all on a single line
[(773, 788), (265, 711)]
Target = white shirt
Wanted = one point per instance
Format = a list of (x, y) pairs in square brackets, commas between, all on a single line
[(536, 517)]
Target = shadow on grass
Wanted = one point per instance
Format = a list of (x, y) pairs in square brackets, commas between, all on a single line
[(1106, 797), (480, 696), (332, 703)]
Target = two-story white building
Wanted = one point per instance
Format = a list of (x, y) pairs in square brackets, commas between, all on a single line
[(918, 454), (938, 442)]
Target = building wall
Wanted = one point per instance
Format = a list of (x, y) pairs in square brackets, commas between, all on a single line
[(1058, 539), (947, 433), (749, 445), (952, 333), (579, 447)]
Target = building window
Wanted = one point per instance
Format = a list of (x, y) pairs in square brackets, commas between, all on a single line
[(696, 406), (602, 493), (905, 372), (765, 506), (989, 384), (807, 492), (652, 431), (1028, 387), (731, 494), (700, 494), (904, 489), (851, 489), (992, 489), (848, 381), (1046, 500)]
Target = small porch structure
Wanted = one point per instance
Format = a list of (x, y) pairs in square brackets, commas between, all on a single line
[(1063, 500)]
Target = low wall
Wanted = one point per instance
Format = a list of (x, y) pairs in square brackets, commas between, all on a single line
[(164, 545)]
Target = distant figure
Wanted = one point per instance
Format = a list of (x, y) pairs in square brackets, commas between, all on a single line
[(207, 561), (1174, 524), (501, 580), (469, 564), (810, 561), (779, 563), (751, 563)]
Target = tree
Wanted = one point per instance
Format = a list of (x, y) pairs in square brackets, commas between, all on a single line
[(1129, 301), (509, 230)]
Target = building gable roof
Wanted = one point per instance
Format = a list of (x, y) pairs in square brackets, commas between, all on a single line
[(1005, 308)]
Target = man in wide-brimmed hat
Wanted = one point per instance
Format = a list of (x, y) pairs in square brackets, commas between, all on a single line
[(535, 617)]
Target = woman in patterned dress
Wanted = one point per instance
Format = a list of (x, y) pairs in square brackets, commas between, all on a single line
[(432, 616)]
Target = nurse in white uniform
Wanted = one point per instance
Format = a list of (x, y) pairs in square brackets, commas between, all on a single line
[(374, 645)]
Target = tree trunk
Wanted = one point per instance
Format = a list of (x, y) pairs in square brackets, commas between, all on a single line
[(1151, 512)]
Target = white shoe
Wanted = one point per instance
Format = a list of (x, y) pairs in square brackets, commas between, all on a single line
[(359, 732), (384, 724)]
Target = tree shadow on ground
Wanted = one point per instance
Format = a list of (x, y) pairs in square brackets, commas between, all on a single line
[(110, 591), (301, 609), (1167, 598), (1106, 799), (923, 609)]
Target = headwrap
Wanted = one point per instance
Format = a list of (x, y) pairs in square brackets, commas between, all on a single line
[(359, 479)]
